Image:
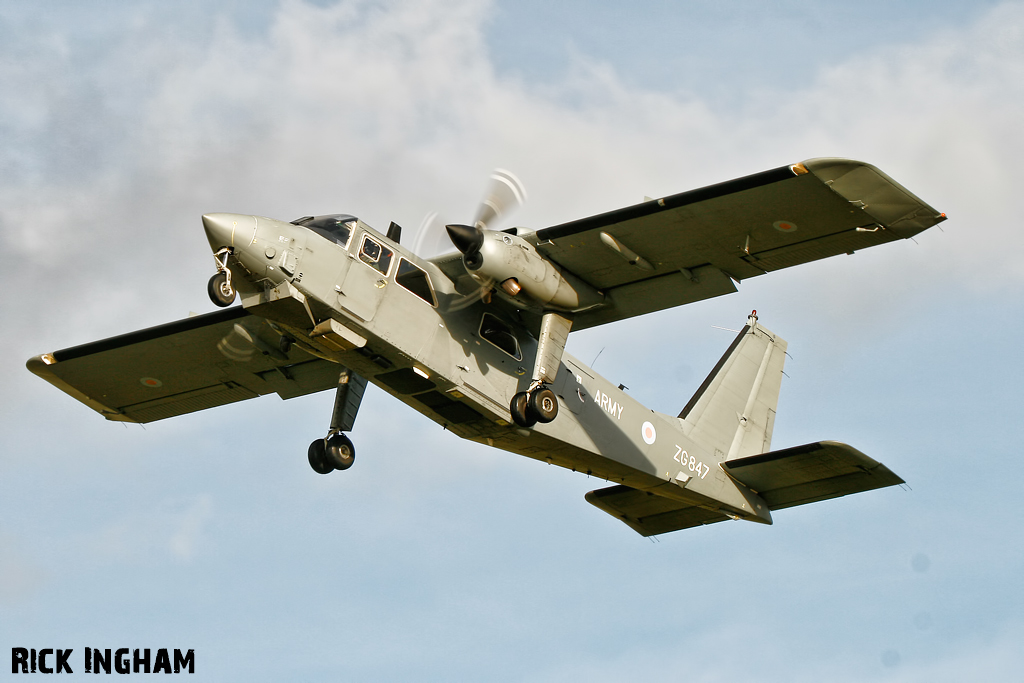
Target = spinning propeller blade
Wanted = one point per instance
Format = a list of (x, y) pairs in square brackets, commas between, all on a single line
[(504, 193)]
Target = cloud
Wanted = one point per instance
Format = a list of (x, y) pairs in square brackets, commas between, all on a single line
[(394, 110)]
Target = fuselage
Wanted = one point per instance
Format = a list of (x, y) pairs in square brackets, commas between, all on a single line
[(348, 294)]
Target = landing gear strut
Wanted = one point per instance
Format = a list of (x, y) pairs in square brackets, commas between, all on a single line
[(538, 405)]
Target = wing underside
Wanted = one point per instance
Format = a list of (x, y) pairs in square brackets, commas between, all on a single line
[(181, 367), (695, 245)]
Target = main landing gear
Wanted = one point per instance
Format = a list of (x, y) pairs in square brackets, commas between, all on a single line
[(538, 405), (336, 452)]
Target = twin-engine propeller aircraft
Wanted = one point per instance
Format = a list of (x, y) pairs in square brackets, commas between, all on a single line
[(475, 339)]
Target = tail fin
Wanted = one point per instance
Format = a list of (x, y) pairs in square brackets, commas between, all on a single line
[(733, 411)]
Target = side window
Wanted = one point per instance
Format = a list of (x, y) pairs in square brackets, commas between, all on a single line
[(415, 279), (375, 255), (498, 333)]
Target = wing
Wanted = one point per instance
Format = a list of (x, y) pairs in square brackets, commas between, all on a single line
[(184, 366), (692, 246)]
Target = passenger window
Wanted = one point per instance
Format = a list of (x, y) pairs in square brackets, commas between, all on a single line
[(498, 333), (375, 255), (415, 280)]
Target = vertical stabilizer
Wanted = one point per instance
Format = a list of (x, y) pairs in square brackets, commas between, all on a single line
[(733, 411)]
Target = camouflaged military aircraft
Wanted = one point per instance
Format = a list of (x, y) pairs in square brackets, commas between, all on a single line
[(475, 339)]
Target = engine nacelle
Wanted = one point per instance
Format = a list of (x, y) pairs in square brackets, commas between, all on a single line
[(502, 257)]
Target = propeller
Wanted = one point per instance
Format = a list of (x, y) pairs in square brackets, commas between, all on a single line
[(504, 193)]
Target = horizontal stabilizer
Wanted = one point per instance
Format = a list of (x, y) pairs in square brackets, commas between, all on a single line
[(649, 514), (794, 476), (809, 473)]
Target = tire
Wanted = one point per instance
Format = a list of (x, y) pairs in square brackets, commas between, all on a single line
[(519, 410), (340, 453), (221, 293), (318, 458), (542, 405)]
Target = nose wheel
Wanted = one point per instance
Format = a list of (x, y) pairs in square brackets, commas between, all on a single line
[(220, 289), (529, 408)]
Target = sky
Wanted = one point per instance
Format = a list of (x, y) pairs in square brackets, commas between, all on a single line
[(437, 559)]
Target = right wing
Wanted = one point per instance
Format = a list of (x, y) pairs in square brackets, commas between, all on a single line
[(694, 244), (181, 367)]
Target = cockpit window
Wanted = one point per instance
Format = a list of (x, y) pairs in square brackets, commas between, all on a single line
[(414, 279), (335, 227), (375, 255), (498, 333)]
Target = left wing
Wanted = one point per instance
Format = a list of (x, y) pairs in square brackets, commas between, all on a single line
[(181, 367), (692, 246)]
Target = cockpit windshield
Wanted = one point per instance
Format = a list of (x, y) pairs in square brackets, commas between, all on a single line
[(336, 227)]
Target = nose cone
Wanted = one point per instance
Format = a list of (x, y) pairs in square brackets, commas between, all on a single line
[(220, 229)]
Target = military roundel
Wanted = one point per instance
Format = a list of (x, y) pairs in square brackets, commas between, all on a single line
[(648, 433)]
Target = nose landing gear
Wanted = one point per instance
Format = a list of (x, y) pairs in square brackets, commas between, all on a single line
[(220, 289)]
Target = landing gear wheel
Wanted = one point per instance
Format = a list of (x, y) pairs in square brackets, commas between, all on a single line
[(220, 290), (542, 405), (518, 408), (340, 453), (318, 458)]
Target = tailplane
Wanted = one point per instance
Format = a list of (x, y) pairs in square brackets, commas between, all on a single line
[(733, 411)]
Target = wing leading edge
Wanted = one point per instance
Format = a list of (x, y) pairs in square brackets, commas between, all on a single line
[(694, 245), (181, 367)]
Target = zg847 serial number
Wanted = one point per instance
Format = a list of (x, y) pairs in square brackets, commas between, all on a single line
[(691, 463)]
